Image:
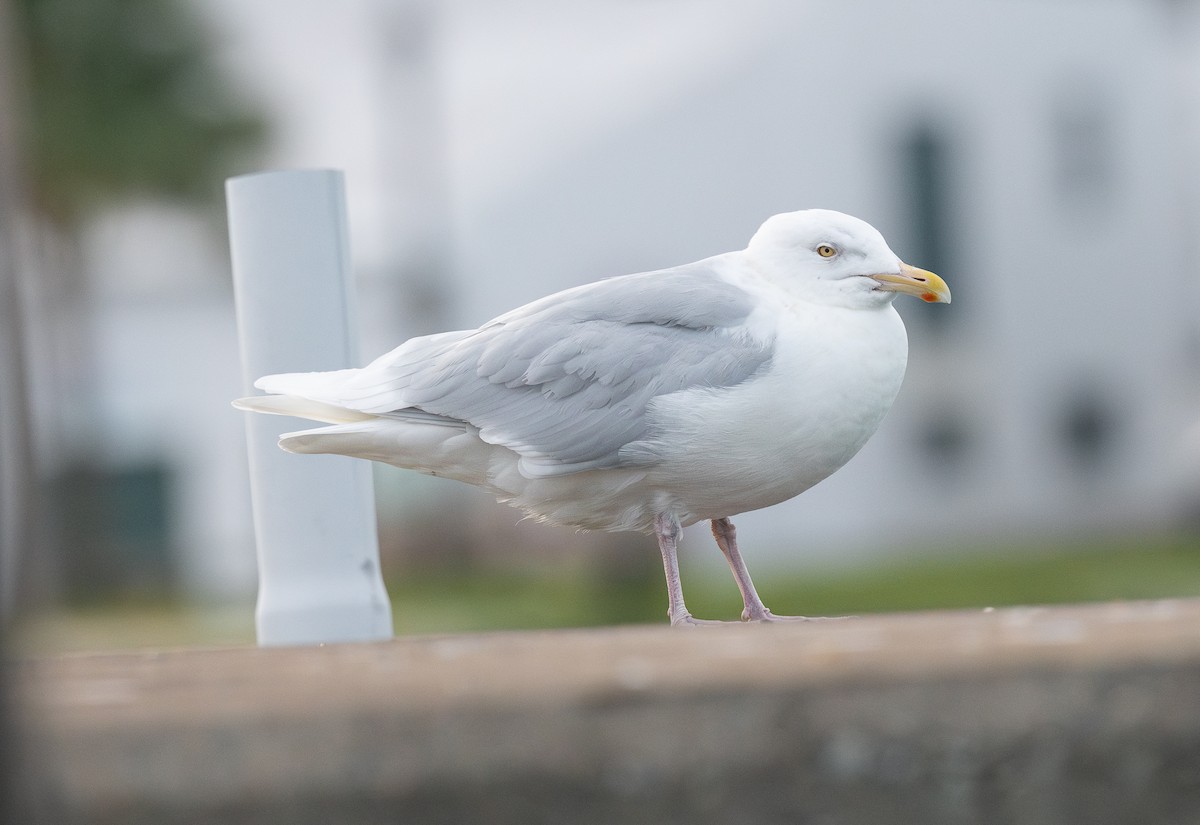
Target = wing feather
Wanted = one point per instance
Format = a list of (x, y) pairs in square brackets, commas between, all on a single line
[(566, 381)]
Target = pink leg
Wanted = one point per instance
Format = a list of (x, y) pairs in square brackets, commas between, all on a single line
[(755, 610), (668, 530)]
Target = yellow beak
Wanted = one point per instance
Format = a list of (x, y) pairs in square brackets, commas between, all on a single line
[(912, 281)]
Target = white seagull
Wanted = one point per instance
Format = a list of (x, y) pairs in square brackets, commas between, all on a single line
[(645, 402)]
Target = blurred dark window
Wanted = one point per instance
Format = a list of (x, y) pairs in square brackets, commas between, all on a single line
[(1087, 429), (945, 441), (114, 531), (926, 188)]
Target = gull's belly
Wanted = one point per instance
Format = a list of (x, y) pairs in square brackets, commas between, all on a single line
[(773, 437)]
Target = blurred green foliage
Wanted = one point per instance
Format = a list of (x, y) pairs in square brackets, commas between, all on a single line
[(124, 98), (995, 576), (447, 602)]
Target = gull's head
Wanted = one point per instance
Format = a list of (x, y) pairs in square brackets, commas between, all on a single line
[(831, 258)]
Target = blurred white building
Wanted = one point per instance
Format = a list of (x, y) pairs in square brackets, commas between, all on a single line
[(1041, 156)]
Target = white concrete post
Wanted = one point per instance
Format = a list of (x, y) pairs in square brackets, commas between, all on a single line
[(314, 516)]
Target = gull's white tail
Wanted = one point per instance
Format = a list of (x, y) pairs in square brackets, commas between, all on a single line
[(300, 408)]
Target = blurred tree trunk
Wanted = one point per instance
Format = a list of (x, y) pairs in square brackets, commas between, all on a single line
[(119, 100), (18, 485)]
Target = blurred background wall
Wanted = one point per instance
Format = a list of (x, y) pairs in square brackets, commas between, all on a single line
[(1041, 156)]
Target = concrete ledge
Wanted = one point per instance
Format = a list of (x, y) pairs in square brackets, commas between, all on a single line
[(1084, 714)]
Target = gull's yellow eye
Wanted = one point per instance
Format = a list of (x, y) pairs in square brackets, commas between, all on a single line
[(826, 251)]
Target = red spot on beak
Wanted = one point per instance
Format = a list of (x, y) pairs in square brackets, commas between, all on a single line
[(929, 297)]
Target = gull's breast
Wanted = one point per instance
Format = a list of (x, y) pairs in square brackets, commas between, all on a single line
[(833, 375)]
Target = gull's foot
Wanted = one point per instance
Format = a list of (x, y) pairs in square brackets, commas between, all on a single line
[(767, 616), (688, 620)]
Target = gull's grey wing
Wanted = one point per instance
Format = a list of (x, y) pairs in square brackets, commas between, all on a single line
[(566, 381)]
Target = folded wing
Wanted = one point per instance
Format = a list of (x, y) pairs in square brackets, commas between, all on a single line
[(566, 381)]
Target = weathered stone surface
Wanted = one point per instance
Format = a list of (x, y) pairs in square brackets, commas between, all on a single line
[(1085, 714)]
